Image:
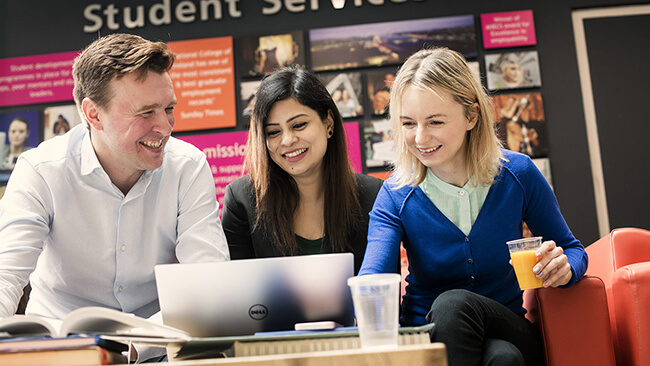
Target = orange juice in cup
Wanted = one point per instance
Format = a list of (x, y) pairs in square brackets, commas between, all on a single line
[(522, 253)]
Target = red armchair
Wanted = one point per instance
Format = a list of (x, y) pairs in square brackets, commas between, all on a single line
[(574, 323), (622, 260)]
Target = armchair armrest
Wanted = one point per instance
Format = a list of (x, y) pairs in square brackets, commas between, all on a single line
[(631, 296), (575, 324)]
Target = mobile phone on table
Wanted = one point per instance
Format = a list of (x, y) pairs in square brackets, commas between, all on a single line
[(322, 325)]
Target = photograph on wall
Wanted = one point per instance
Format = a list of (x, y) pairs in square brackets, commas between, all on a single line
[(346, 91), (521, 124), (18, 133), (544, 166), (476, 69), (512, 70), (378, 144), (248, 90), (260, 55), (379, 83), (59, 120), (388, 43)]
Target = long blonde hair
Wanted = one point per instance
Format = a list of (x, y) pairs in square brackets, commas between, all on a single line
[(445, 70)]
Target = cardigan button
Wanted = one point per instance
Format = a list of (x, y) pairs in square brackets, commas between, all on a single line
[(470, 261)]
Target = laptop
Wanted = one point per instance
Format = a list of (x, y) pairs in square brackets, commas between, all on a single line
[(243, 297)]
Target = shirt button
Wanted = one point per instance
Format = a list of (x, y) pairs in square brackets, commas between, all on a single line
[(471, 277), (470, 261), (123, 247), (119, 289), (462, 193), (466, 240)]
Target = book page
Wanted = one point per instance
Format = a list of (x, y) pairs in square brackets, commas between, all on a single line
[(26, 325), (98, 320)]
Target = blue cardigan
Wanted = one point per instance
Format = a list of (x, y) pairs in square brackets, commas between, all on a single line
[(441, 257)]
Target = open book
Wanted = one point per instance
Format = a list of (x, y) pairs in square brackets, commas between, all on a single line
[(111, 324)]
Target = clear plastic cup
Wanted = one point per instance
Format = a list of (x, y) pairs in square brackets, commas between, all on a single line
[(376, 306), (522, 253)]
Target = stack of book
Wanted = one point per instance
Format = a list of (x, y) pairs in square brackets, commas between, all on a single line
[(69, 351), (86, 336)]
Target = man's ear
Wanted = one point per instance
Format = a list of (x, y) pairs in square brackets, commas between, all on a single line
[(91, 111)]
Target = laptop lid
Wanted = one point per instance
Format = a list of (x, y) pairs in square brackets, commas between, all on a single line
[(242, 297)]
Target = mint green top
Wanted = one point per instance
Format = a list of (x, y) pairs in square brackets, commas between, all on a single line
[(460, 205), (307, 247)]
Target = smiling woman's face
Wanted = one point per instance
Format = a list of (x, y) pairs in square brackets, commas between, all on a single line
[(296, 138)]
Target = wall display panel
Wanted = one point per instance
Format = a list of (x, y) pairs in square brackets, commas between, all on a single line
[(36, 79), (204, 82), (260, 55), (389, 43), (378, 87), (59, 119), (379, 146), (508, 29), (521, 124), (512, 70), (19, 132), (346, 91)]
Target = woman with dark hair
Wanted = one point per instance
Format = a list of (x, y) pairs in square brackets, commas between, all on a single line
[(301, 195)]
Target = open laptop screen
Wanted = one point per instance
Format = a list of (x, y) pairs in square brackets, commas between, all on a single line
[(242, 297)]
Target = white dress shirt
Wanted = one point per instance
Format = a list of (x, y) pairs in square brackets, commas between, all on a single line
[(87, 244)]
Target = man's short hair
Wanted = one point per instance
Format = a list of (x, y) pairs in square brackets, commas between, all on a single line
[(111, 57)]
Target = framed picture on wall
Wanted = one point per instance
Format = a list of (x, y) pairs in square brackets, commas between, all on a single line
[(378, 86), (388, 43), (19, 132), (521, 124), (248, 90), (59, 120), (262, 54), (512, 70), (346, 91), (378, 144)]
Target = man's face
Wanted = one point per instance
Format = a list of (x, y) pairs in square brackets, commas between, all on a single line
[(134, 128)]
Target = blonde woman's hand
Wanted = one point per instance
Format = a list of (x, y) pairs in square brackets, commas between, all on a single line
[(553, 267)]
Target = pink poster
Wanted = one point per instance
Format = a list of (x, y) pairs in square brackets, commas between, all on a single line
[(36, 79), (511, 29), (225, 153)]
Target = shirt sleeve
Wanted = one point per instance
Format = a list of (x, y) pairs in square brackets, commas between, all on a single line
[(236, 225), (385, 232), (543, 217), (25, 214), (200, 235)]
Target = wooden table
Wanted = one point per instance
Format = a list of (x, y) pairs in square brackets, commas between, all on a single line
[(433, 354)]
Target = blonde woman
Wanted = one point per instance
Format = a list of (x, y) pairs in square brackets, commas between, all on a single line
[(454, 200)]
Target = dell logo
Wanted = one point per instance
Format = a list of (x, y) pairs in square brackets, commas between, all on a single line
[(258, 312)]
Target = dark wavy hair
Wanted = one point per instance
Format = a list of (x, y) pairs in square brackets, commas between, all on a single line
[(276, 192)]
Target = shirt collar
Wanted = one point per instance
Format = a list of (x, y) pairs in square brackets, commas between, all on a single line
[(89, 160), (431, 182)]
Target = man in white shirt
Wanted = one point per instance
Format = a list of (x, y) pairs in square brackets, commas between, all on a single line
[(89, 214)]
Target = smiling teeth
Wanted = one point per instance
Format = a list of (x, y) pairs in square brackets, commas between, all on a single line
[(430, 149), (295, 153), (152, 144)]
